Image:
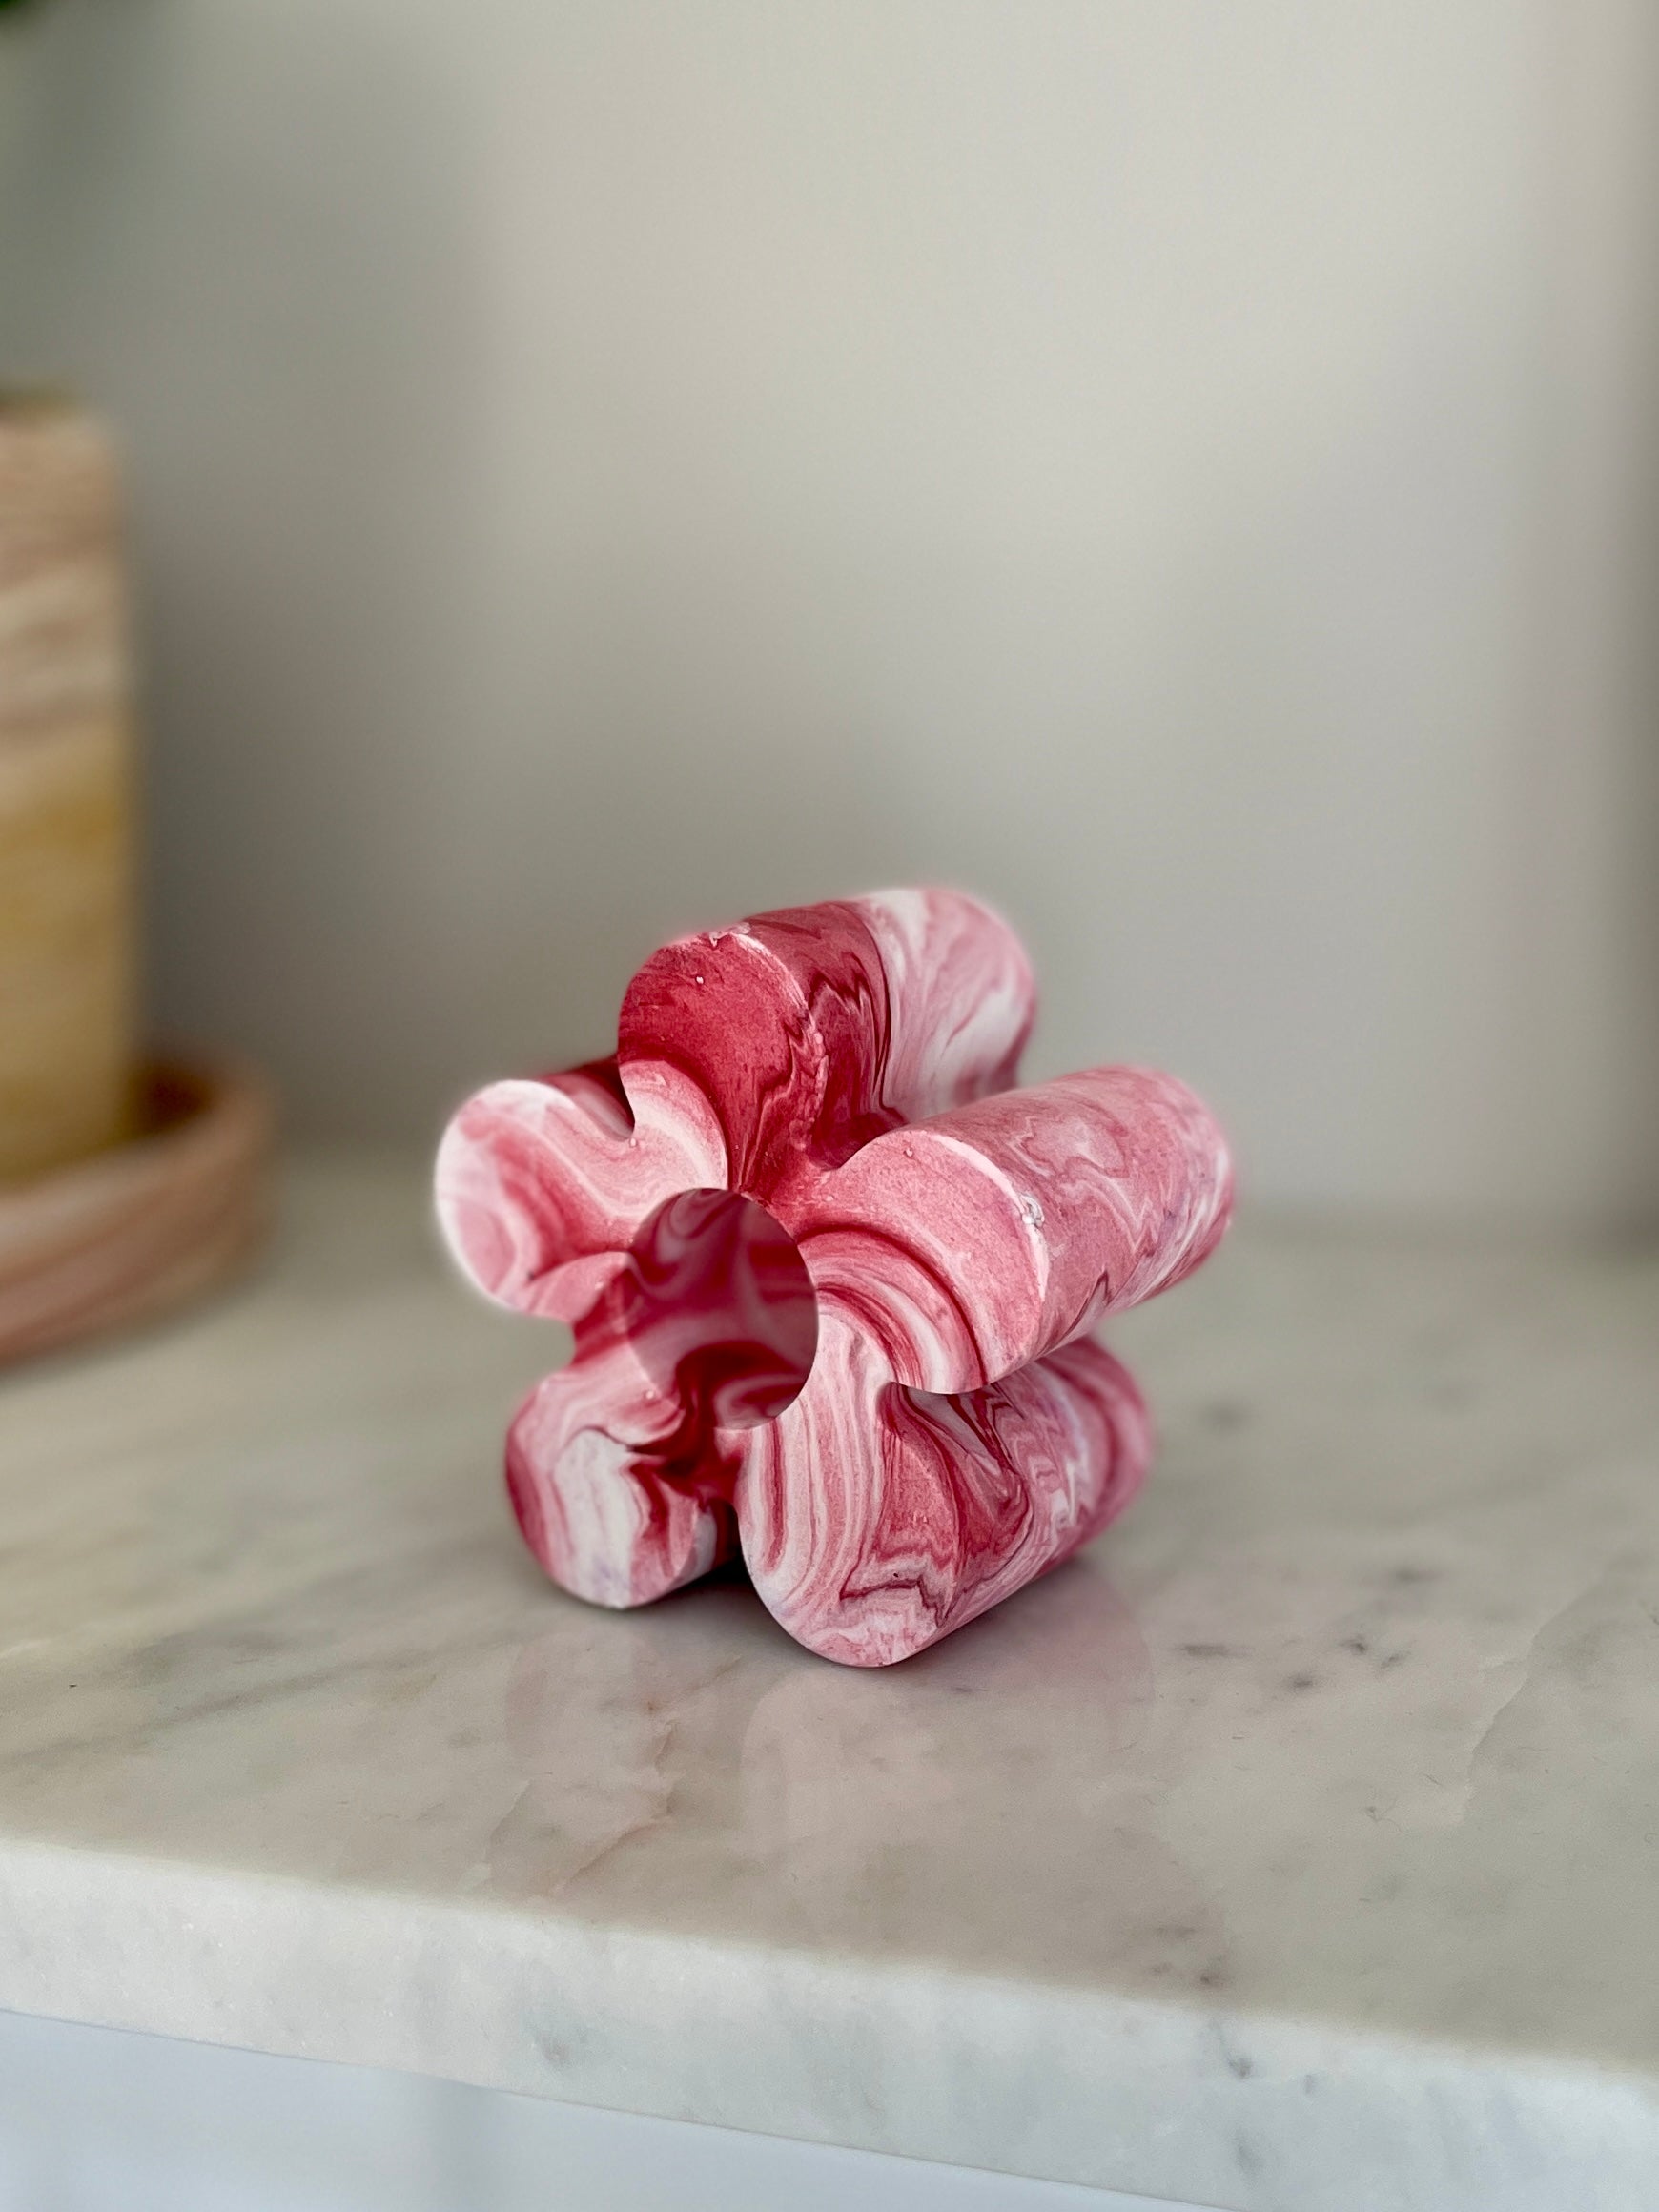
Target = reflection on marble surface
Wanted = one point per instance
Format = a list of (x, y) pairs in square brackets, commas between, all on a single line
[(1301, 1830), (882, 1813)]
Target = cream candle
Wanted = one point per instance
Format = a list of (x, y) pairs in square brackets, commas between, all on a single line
[(67, 933)]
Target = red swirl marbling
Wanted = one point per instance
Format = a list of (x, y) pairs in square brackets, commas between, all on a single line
[(832, 1278)]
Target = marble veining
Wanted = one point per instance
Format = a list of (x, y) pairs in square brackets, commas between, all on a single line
[(1291, 1848)]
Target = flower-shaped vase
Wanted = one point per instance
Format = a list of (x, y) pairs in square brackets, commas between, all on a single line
[(832, 1277)]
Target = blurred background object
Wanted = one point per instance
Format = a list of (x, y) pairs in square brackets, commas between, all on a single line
[(67, 1041), (139, 1227), (124, 1187), (1187, 473)]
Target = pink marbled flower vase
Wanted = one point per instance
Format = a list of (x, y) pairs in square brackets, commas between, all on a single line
[(831, 1277)]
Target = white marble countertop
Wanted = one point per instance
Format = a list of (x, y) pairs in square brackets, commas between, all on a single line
[(1297, 1849)]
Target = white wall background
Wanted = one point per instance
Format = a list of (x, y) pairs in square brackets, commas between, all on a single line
[(1182, 467)]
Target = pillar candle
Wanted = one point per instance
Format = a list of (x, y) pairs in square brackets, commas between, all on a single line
[(67, 935)]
